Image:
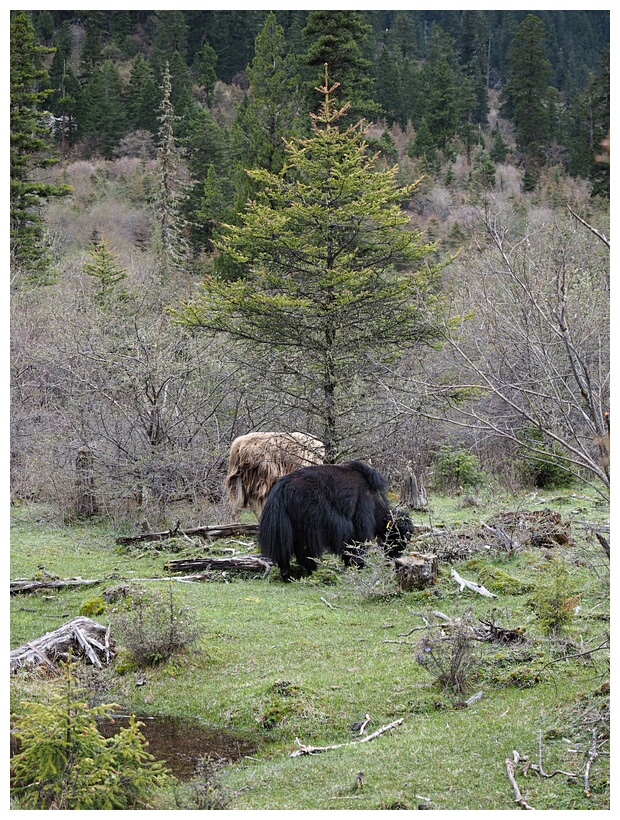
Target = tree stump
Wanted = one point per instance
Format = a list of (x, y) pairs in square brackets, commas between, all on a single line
[(85, 502), (412, 492), (416, 571)]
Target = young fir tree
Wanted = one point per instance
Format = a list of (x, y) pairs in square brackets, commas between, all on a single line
[(104, 270), (322, 297), (29, 152)]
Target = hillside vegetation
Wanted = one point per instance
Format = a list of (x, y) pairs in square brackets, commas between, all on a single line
[(389, 230)]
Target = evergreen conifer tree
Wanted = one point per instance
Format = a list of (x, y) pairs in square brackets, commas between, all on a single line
[(170, 193), (29, 150), (322, 296), (528, 96), (270, 113), (204, 63), (103, 109), (143, 97), (103, 268), (339, 39)]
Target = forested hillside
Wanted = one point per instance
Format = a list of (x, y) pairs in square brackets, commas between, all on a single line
[(386, 228)]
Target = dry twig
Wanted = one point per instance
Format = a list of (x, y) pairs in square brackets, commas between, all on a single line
[(510, 768), (311, 750)]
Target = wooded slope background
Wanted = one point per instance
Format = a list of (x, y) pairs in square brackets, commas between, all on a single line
[(131, 137)]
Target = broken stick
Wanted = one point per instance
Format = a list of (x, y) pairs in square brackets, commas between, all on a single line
[(463, 582), (311, 750), (510, 768)]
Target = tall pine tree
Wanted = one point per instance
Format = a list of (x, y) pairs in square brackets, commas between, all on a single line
[(29, 151), (171, 244), (527, 97)]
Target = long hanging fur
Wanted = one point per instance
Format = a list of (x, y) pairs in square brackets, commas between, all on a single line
[(327, 508), (258, 460)]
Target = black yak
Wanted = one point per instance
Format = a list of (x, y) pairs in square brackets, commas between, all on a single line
[(331, 507), (258, 460)]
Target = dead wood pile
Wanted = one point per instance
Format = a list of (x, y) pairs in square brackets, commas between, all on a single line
[(32, 584), (507, 532), (78, 638)]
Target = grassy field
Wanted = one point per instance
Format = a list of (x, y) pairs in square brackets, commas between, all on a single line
[(306, 660)]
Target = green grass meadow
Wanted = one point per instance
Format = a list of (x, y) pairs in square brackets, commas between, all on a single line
[(278, 662)]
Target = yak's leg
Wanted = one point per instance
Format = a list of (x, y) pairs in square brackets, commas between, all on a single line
[(307, 564)]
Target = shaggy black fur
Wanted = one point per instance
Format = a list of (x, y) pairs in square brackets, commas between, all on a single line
[(329, 507)]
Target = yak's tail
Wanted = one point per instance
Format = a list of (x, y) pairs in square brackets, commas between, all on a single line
[(275, 531), (374, 479)]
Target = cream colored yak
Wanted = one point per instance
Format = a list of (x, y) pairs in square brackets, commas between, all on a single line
[(258, 460)]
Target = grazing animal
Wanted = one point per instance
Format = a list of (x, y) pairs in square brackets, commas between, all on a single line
[(331, 507), (258, 460)]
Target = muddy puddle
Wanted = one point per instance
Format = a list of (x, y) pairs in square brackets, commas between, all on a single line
[(181, 743)]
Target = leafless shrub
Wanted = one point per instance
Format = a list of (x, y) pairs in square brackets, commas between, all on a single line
[(447, 651), (376, 580), (152, 626)]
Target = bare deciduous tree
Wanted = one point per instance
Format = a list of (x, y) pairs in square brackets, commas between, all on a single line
[(527, 359)]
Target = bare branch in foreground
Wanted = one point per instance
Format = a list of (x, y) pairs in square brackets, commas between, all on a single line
[(311, 750), (510, 768), (589, 227)]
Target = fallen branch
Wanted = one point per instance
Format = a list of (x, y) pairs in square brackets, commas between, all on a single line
[(311, 750), (23, 585), (510, 768), (463, 582), (592, 755), (78, 637), (214, 531)]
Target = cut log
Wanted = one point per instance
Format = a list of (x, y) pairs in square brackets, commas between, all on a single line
[(213, 531), (249, 563), (80, 638), (416, 571), (24, 585)]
